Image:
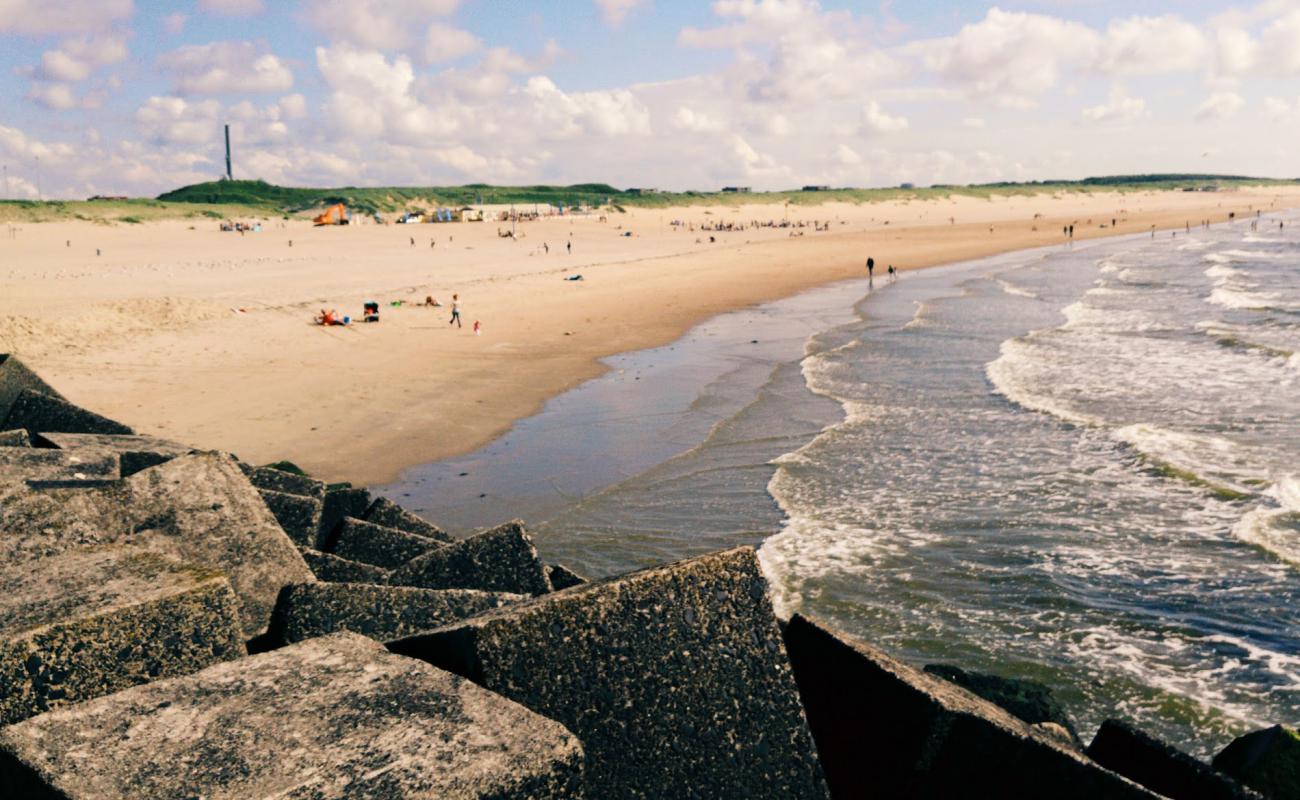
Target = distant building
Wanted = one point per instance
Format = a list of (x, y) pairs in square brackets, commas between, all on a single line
[(907, 186), (736, 189), (643, 191), (816, 188), (108, 197)]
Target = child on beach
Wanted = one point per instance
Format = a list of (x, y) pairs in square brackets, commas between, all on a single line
[(477, 326), (455, 311)]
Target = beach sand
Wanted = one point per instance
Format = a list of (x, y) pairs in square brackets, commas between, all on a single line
[(183, 331)]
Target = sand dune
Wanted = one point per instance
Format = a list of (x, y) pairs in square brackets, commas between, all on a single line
[(184, 331)]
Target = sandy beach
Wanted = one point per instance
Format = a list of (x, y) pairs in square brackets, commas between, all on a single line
[(186, 332)]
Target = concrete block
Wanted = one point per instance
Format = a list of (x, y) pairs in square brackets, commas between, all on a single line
[(383, 547), (297, 514), (885, 729), (200, 508), (278, 480), (15, 438), (14, 377), (40, 467), (1161, 767), (384, 613), (328, 719), (135, 452), (502, 559), (389, 514), (37, 413), (1266, 760), (342, 503), (674, 678), (331, 568), (86, 623), (561, 577), (1029, 701), (35, 525)]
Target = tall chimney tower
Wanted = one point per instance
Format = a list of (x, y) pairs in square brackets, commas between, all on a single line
[(229, 175)]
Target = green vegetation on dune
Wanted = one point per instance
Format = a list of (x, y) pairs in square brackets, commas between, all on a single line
[(392, 198), (254, 199)]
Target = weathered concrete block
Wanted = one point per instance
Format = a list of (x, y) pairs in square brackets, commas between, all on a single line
[(885, 729), (297, 514), (384, 613), (1266, 760), (674, 678), (200, 508), (329, 567), (36, 413), (389, 514), (14, 377), (15, 438), (327, 719), (90, 622), (278, 480), (35, 525), (502, 559), (1161, 767), (1028, 701), (342, 503), (57, 467), (374, 544), (135, 452), (561, 577)]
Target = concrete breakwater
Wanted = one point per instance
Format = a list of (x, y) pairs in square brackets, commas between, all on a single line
[(177, 623)]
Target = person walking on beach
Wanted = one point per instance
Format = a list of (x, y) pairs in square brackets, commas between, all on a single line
[(455, 311), (871, 266)]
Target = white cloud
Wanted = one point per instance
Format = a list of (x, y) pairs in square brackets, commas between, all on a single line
[(1144, 45), (847, 155), (371, 97), (875, 120), (56, 96), (1010, 57), (1119, 107), (232, 8), (1220, 106), (293, 106), (174, 120), (42, 17), (75, 59), (615, 11), (974, 123), (225, 68), (174, 23), (1279, 45), (604, 113), (444, 43), (688, 119), (377, 24), (1234, 50)]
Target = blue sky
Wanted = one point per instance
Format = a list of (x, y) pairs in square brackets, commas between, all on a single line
[(115, 96)]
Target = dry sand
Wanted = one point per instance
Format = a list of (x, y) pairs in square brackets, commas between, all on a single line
[(183, 331)]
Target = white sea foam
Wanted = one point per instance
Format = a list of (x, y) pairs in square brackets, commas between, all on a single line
[(1012, 375), (1230, 297), (918, 319), (1217, 462), (1018, 291)]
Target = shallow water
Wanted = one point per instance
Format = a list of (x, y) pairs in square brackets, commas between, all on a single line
[(1072, 465)]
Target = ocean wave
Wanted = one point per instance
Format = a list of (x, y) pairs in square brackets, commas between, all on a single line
[(918, 319), (1211, 462), (1011, 374), (1243, 300), (1018, 291)]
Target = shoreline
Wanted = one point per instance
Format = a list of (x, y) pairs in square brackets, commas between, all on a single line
[(149, 335)]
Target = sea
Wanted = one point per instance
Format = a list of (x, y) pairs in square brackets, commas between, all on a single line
[(1077, 464)]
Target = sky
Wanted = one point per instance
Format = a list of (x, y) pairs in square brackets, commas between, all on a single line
[(129, 97)]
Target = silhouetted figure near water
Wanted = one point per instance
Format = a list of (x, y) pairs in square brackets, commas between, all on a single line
[(871, 267)]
